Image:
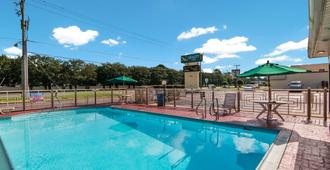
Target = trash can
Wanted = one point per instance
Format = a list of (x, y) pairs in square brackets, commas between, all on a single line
[(160, 99)]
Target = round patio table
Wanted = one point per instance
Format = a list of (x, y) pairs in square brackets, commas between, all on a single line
[(270, 107)]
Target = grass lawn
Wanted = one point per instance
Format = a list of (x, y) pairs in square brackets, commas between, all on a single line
[(16, 98)]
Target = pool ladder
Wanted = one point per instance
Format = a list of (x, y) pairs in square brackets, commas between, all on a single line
[(59, 101), (213, 110), (205, 108)]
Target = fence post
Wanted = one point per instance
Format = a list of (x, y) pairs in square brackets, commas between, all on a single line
[(147, 96), (174, 101), (111, 95), (325, 103), (309, 103), (164, 98), (253, 100), (52, 98), (75, 97), (288, 102), (95, 97), (238, 101), (192, 99)]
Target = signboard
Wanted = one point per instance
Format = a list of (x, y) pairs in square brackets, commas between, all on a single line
[(196, 57), (236, 72), (192, 68)]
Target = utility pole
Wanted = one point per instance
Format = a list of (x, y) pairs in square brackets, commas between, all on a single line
[(25, 61)]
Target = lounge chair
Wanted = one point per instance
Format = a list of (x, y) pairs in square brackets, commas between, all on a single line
[(7, 109), (229, 103), (36, 97)]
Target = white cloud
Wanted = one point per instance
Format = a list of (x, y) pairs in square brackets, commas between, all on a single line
[(224, 27), (113, 42), (110, 42), (289, 46), (226, 46), (224, 68), (282, 58), (195, 32), (207, 70), (73, 36), (13, 52), (209, 60)]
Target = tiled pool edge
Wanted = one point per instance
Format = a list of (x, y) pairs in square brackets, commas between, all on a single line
[(272, 158)]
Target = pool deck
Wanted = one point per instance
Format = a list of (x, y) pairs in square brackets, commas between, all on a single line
[(306, 145)]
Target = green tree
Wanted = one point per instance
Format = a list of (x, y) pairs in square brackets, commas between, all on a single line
[(158, 74), (141, 74), (10, 71)]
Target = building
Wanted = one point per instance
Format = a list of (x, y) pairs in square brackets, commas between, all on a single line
[(316, 77), (319, 31)]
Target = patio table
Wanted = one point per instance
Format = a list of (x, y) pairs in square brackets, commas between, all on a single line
[(267, 106), (123, 98)]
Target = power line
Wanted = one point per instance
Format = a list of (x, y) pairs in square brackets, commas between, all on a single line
[(50, 7), (103, 53), (89, 51)]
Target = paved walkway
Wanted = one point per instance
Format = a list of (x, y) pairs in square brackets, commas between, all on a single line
[(308, 147)]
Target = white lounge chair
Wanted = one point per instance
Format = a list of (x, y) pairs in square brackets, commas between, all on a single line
[(7, 109)]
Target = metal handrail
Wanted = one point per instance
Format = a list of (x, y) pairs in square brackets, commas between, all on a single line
[(205, 109), (58, 100), (212, 108)]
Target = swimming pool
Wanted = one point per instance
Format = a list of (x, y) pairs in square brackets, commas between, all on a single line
[(108, 138)]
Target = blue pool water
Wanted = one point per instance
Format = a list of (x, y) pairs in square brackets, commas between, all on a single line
[(107, 138)]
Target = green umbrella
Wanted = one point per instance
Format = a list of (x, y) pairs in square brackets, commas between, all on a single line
[(271, 69), (122, 80)]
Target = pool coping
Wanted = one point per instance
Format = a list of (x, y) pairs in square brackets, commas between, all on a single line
[(270, 161)]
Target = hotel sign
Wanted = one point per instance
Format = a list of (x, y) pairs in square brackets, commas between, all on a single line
[(192, 68), (190, 58)]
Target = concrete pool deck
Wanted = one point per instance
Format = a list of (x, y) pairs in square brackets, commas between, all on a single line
[(299, 145), (307, 145)]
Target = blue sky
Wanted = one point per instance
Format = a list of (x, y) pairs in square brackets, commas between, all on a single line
[(151, 32)]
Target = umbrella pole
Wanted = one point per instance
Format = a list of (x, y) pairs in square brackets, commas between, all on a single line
[(269, 99), (269, 90)]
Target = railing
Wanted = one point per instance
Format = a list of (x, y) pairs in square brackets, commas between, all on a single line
[(305, 102), (52, 99)]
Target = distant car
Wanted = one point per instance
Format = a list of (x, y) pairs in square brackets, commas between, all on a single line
[(249, 87), (295, 85)]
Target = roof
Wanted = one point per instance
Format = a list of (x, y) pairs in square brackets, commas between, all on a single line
[(319, 28), (313, 67)]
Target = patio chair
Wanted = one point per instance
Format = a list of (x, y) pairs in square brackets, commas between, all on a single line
[(6, 109), (36, 97), (229, 103)]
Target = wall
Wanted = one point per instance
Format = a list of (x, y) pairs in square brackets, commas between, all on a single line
[(313, 67), (191, 79), (312, 80)]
